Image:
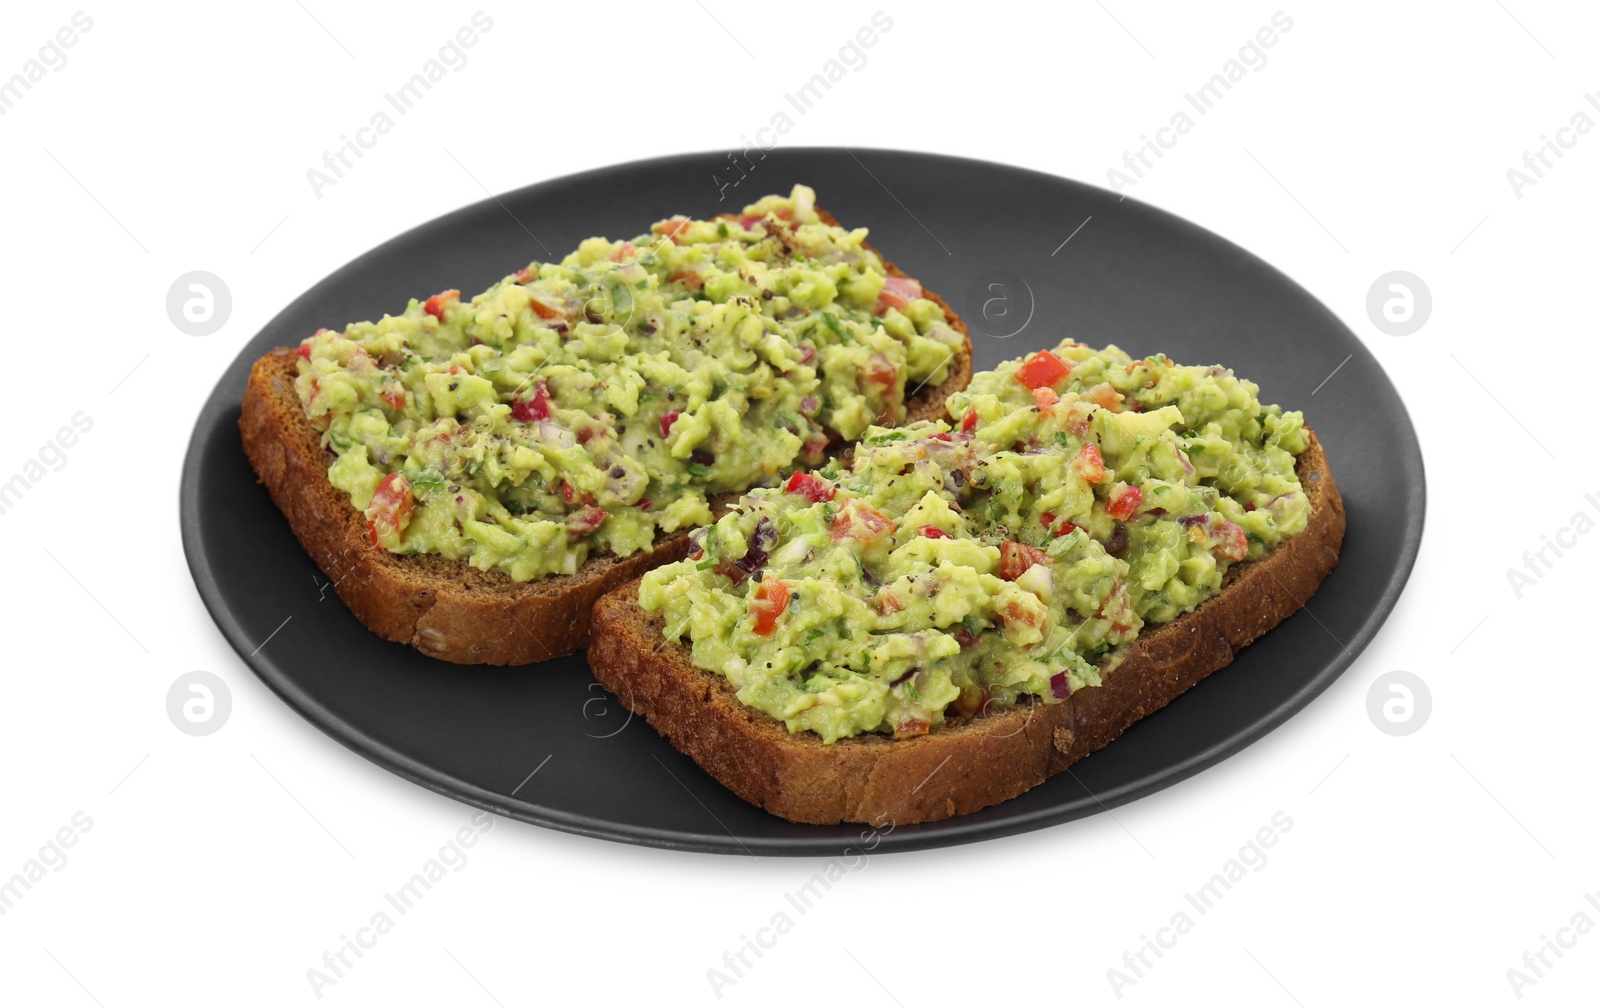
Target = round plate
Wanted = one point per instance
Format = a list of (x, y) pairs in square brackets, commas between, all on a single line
[(547, 745)]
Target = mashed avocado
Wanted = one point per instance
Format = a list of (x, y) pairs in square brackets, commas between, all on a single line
[(585, 405), (1073, 498)]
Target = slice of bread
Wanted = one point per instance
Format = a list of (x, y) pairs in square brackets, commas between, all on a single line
[(447, 608), (972, 763)]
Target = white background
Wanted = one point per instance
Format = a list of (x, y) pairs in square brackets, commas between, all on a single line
[(1418, 869)]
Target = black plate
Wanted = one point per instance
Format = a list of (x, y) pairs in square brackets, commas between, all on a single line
[(1134, 276)]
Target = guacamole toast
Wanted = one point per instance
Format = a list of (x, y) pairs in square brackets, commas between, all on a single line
[(379, 562), (899, 763)]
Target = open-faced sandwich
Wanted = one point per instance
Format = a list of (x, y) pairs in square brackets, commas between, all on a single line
[(970, 604), (473, 474)]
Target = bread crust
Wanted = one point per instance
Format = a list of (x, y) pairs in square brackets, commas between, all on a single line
[(974, 763), (446, 608)]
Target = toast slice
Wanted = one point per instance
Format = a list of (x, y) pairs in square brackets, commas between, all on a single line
[(975, 762), (447, 608)]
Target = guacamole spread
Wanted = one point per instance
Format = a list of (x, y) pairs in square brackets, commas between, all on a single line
[(959, 567), (583, 406)]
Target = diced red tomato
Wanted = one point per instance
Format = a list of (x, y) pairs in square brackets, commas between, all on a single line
[(1050, 525), (535, 408), (1015, 558), (1091, 465), (391, 505), (746, 221), (860, 522), (1045, 397), (880, 370), (689, 278), (584, 520), (570, 495), (667, 420), (1230, 542), (435, 305), (622, 251), (934, 532), (670, 228), (1016, 613), (898, 292), (543, 310), (1043, 369), (523, 275), (305, 344), (1124, 502), (394, 397), (943, 436), (887, 603), (1106, 397), (810, 486), (767, 602), (969, 421)]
